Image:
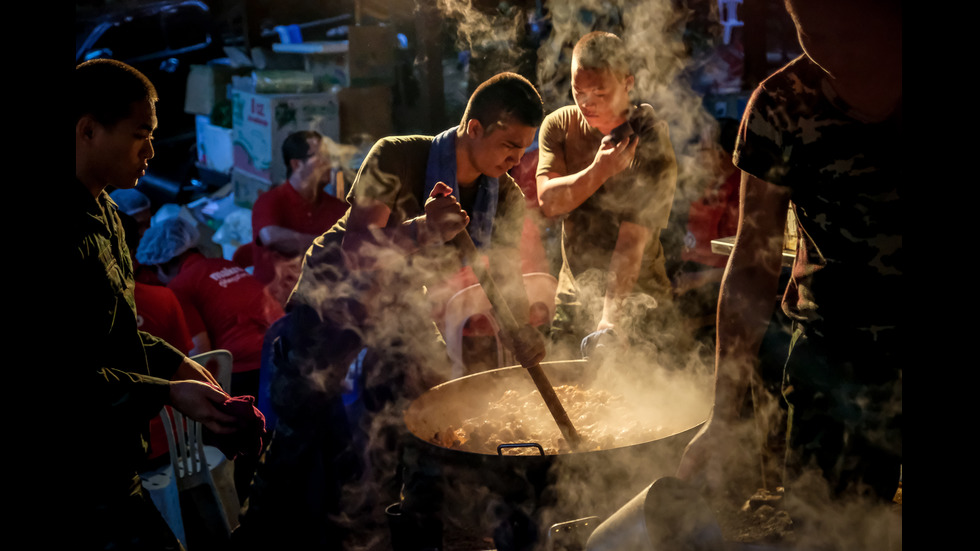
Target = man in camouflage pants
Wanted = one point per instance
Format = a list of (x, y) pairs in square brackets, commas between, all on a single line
[(823, 134)]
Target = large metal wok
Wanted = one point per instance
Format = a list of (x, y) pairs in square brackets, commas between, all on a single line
[(481, 490)]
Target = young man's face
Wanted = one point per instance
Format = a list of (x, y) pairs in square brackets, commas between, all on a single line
[(124, 149), (601, 96), (315, 169), (500, 147)]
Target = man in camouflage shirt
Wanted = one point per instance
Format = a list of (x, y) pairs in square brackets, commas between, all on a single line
[(823, 134)]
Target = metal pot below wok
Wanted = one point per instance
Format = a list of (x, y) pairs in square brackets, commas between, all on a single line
[(486, 490)]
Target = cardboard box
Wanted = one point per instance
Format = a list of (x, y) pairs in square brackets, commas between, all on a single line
[(207, 85), (260, 123), (247, 188), (365, 111), (214, 149)]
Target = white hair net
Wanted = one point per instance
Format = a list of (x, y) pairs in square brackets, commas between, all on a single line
[(165, 240), (130, 201)]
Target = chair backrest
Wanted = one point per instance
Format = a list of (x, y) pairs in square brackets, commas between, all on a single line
[(219, 363), (191, 460), (541, 288), (190, 464), (462, 306), (472, 301), (728, 17)]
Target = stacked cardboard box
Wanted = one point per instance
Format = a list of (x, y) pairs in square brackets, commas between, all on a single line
[(260, 123)]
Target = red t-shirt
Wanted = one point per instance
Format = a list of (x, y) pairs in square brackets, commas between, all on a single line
[(284, 207), (158, 312), (220, 297), (712, 216)]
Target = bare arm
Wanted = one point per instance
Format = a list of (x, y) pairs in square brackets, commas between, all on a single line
[(202, 343), (560, 194), (624, 269), (443, 219), (748, 292), (745, 306), (285, 241)]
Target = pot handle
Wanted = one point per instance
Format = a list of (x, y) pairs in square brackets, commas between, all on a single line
[(502, 447)]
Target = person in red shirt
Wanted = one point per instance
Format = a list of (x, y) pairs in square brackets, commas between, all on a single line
[(218, 297), (287, 218)]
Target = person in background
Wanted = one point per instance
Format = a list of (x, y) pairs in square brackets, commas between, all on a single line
[(824, 134), (158, 312), (287, 218), (133, 203), (362, 288), (126, 375), (613, 193), (221, 301)]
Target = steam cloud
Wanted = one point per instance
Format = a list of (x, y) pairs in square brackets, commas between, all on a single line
[(652, 32)]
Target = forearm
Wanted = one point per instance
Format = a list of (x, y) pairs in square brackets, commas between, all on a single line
[(559, 195), (285, 241), (202, 344), (133, 397), (162, 358), (748, 293), (360, 244), (746, 303), (624, 270)]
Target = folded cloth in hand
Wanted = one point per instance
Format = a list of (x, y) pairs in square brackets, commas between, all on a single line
[(250, 429)]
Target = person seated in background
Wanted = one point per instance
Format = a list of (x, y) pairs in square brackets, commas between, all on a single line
[(136, 205), (226, 308), (158, 312), (287, 218), (613, 193), (363, 288)]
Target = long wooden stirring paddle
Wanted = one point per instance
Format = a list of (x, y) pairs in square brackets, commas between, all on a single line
[(504, 315)]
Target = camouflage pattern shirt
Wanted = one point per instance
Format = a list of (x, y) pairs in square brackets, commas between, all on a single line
[(845, 182)]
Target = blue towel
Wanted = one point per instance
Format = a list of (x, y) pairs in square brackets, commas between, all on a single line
[(441, 167)]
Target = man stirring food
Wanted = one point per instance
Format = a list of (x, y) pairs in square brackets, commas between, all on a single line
[(362, 288)]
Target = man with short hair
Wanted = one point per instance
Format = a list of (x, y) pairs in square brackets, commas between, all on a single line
[(131, 375), (363, 288), (287, 218), (613, 192), (822, 135)]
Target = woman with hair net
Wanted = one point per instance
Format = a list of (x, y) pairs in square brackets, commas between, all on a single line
[(224, 305)]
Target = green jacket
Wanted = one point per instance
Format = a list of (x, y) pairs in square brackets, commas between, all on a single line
[(129, 369)]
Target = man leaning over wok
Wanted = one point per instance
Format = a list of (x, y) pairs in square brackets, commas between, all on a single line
[(362, 292)]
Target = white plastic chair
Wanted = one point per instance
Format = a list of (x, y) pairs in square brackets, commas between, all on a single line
[(728, 17), (541, 288), (202, 473), (219, 363), (462, 306), (472, 301)]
